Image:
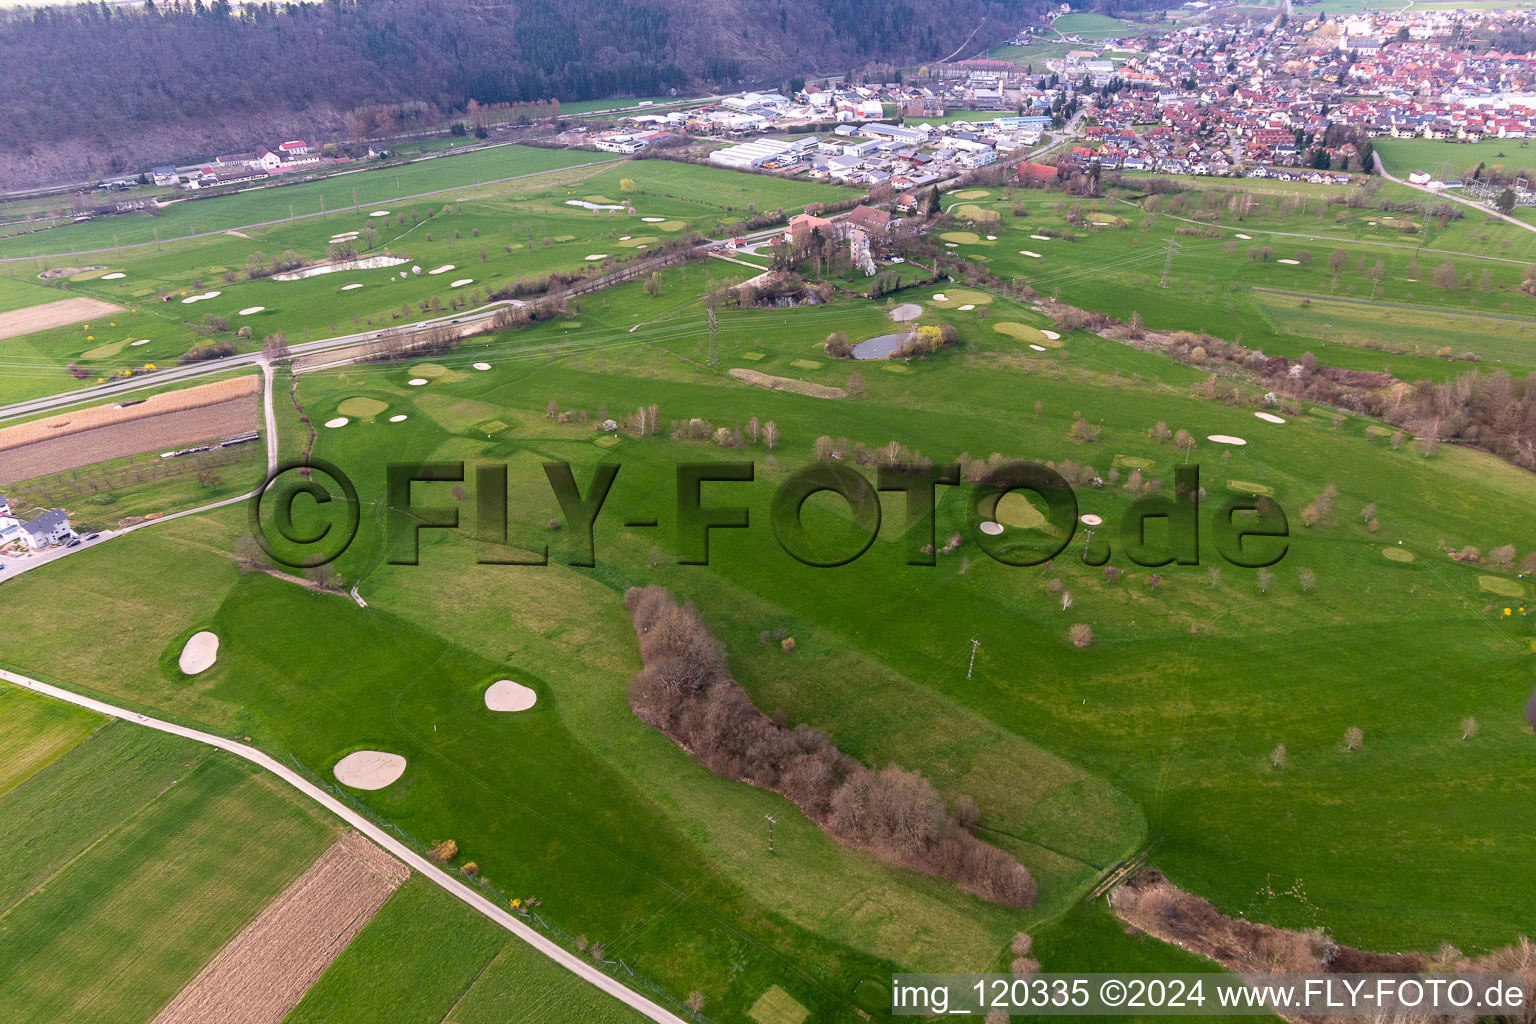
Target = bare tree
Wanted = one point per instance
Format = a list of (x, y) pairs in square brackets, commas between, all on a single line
[(1265, 578), (1215, 574), (1353, 737), (771, 435), (274, 347), (1307, 578), (1277, 756), (1468, 728), (1081, 635)]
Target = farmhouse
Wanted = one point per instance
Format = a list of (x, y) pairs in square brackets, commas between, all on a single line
[(867, 218), (51, 527), (800, 226)]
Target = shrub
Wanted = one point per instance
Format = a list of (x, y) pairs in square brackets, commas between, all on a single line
[(1081, 635)]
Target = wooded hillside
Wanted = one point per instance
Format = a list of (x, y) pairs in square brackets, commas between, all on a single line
[(112, 89)]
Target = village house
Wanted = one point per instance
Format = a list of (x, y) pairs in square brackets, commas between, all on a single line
[(52, 527)]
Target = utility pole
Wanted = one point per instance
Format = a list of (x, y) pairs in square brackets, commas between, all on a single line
[(1168, 262), (974, 645), (714, 344), (354, 200), (772, 821)]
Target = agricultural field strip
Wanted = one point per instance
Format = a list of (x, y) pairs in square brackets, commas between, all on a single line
[(1366, 305), (14, 568), (302, 216), (46, 315), (411, 859), (1336, 239), (265, 970)]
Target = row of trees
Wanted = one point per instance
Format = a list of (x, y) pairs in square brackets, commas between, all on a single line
[(685, 689)]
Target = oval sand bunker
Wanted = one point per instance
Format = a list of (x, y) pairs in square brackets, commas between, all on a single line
[(339, 421), (482, 366), (251, 310), (397, 418), (201, 651), (461, 282), (506, 695), (369, 769), (114, 276), (1226, 439), (991, 529), (1269, 417), (416, 382)]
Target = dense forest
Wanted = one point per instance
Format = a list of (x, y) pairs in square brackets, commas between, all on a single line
[(111, 89)]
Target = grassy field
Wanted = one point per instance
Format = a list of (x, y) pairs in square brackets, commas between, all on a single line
[(34, 733), (133, 862), (1454, 159)]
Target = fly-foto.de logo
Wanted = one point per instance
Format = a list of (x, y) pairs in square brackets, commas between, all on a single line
[(1248, 531)]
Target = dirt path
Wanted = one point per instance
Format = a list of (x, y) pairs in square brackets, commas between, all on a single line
[(420, 864)]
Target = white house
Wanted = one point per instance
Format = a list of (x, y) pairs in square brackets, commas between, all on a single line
[(10, 527), (52, 527), (289, 150)]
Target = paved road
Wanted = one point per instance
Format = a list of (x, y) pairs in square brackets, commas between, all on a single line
[(427, 869)]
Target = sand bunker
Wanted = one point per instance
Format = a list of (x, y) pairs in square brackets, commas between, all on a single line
[(991, 529), (1290, 263), (592, 206), (940, 297), (625, 238), (593, 257), (1028, 252), (482, 366), (1050, 334), (350, 287), (141, 341), (442, 269), (1226, 439), (505, 695), (114, 276), (338, 421), (907, 311), (1037, 348), (653, 220), (370, 263), (1245, 237), (379, 213), (1269, 417), (251, 310), (398, 418), (201, 651), (461, 282), (199, 298), (369, 769), (1041, 238), (991, 238), (1091, 519), (967, 306), (416, 382)]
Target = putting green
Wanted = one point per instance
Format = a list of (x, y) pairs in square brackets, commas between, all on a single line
[(428, 370), (630, 243), (970, 193), (1501, 586), (1397, 554), (776, 1006), (962, 297), (1249, 487), (895, 367), (601, 199), (1106, 220), (805, 364), (362, 408), (606, 440), (1131, 462), (754, 356), (672, 225), (106, 351), (965, 238), (1013, 509), (1023, 332), (565, 238), (970, 211)]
